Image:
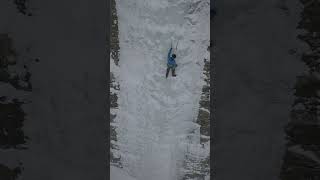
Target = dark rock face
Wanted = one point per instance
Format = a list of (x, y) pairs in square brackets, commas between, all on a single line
[(9, 174), (22, 7), (13, 72), (11, 113), (114, 50), (20, 78), (11, 122), (114, 33), (303, 131), (204, 112)]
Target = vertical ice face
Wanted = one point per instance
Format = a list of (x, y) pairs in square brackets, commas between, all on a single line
[(156, 116)]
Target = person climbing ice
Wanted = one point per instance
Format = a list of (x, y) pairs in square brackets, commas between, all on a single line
[(171, 64)]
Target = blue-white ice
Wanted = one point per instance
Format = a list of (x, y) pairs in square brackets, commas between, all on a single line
[(155, 114)]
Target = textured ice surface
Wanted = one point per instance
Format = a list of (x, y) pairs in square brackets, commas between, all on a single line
[(156, 114)]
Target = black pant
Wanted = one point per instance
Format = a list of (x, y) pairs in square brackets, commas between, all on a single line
[(173, 71)]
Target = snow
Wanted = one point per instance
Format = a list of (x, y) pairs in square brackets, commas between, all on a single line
[(156, 114), (119, 174)]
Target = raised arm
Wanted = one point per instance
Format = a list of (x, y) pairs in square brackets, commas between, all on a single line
[(169, 54)]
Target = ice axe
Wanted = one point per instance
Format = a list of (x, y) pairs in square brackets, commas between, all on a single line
[(177, 45)]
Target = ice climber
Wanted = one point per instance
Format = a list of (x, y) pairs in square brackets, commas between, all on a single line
[(171, 64)]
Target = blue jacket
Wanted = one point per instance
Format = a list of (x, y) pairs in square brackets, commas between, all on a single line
[(171, 60)]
